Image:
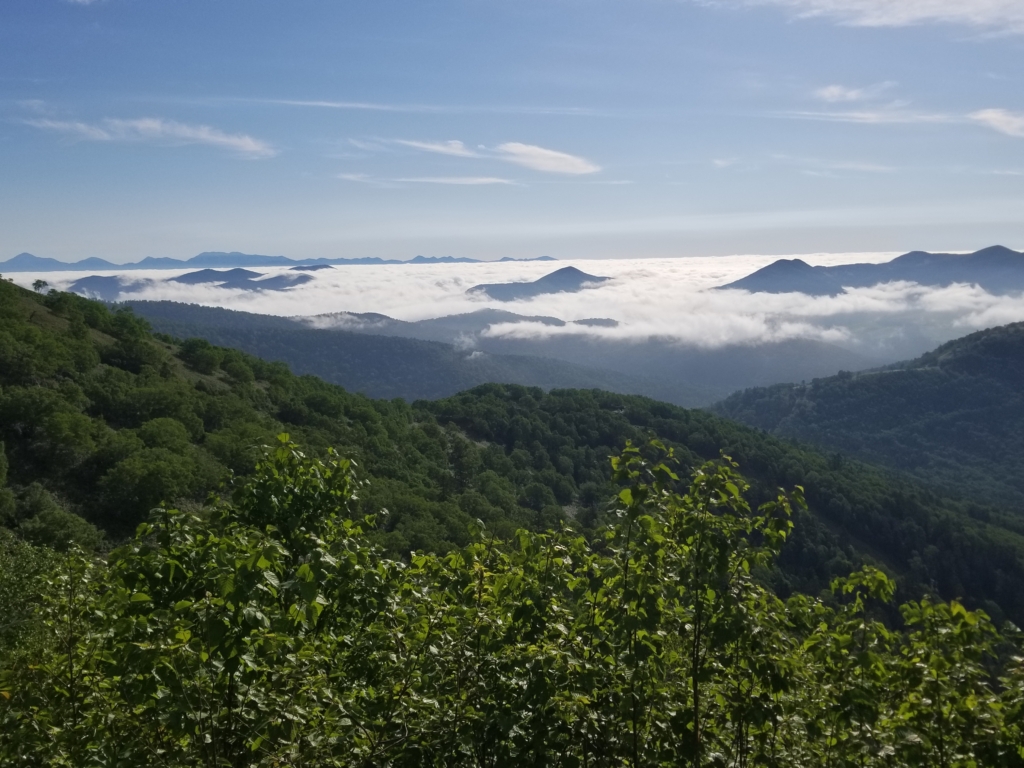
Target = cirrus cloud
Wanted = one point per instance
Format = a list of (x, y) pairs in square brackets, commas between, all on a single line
[(454, 148), (1006, 15), (472, 181), (157, 130), (546, 160), (1002, 120), (835, 93), (527, 155)]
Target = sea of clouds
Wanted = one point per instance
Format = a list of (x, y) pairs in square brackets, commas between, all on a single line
[(662, 298)]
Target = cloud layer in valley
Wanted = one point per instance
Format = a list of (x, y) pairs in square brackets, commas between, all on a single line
[(650, 298)]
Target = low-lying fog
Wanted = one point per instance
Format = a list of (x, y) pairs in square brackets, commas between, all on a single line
[(668, 299)]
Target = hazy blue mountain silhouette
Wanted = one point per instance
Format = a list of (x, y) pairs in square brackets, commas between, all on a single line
[(996, 269), (215, 276), (26, 262), (105, 287), (111, 287), (242, 278), (564, 280)]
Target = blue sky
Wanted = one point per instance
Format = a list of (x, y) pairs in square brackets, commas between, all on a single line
[(487, 128)]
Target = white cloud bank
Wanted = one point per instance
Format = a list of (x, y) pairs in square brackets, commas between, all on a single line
[(650, 298), (157, 130), (1003, 15)]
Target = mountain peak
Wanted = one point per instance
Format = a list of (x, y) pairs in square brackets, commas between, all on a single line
[(564, 280)]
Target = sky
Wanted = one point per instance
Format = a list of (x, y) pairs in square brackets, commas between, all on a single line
[(578, 129)]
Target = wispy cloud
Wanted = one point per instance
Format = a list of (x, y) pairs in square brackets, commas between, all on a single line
[(835, 94), (510, 109), (37, 106), (360, 177), (816, 166), (472, 181), (527, 155), (1002, 120), (157, 130), (1005, 15), (893, 115), (546, 160), (354, 105), (898, 113), (464, 181), (454, 148)]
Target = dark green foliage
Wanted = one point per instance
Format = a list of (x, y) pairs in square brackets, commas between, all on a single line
[(953, 418), (932, 542), (109, 443), (200, 355), (24, 571), (270, 631)]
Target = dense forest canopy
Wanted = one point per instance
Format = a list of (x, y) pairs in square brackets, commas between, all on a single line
[(463, 581), (268, 630), (954, 417), (102, 421)]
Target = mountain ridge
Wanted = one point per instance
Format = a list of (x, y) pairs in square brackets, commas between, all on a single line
[(997, 269), (951, 417), (27, 262)]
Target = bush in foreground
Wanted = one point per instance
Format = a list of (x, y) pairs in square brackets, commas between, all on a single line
[(268, 630)]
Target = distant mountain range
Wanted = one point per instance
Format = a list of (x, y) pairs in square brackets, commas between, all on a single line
[(26, 262), (111, 287), (996, 269), (564, 280)]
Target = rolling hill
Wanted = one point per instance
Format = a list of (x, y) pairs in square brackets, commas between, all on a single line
[(660, 368), (953, 418), (101, 421), (387, 366)]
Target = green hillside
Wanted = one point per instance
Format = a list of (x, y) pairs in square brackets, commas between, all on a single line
[(101, 421), (953, 418), (389, 366), (481, 587)]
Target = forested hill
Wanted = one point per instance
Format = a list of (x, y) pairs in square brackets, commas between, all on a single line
[(389, 366), (101, 421), (953, 418)]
